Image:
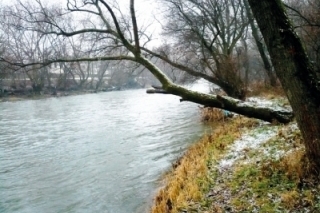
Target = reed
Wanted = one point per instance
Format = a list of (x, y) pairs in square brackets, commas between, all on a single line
[(209, 114)]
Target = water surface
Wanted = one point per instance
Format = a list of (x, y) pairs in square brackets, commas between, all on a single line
[(90, 153)]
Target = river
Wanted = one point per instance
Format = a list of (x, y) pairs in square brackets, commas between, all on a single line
[(90, 153)]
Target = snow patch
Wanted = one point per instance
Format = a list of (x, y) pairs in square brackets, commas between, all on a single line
[(265, 103), (248, 141), (261, 102)]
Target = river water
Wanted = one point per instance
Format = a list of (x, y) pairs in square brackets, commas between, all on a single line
[(90, 153)]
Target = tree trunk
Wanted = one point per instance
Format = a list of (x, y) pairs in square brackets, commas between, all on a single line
[(227, 103), (234, 105), (263, 54), (231, 84), (247, 109), (294, 70)]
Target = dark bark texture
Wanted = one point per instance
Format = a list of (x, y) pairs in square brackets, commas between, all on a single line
[(294, 70), (234, 105)]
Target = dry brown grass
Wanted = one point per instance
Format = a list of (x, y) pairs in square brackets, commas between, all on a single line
[(289, 180), (187, 183), (261, 89), (184, 185), (293, 164), (290, 199), (209, 114)]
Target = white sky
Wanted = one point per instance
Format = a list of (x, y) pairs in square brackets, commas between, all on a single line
[(146, 11)]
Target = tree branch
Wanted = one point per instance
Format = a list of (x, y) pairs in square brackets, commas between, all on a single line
[(181, 67), (135, 27), (234, 105)]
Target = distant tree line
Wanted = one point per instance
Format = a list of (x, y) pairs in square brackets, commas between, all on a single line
[(215, 40)]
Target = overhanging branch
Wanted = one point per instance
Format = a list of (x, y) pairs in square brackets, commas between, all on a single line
[(247, 109)]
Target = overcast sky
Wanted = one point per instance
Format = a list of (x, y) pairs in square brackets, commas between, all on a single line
[(146, 11)]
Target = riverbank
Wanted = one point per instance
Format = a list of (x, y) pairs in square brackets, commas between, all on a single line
[(34, 96), (244, 165)]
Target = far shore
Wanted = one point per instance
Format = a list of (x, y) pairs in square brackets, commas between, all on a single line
[(33, 96), (13, 97)]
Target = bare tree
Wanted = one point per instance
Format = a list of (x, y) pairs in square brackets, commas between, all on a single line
[(206, 33), (126, 37), (27, 47)]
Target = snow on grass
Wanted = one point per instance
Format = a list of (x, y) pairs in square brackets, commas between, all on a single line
[(275, 104), (248, 141), (255, 138), (261, 102), (274, 152)]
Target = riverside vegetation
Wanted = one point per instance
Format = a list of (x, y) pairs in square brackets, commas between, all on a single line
[(243, 165)]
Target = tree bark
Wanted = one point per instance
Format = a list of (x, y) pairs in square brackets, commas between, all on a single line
[(234, 105), (221, 102), (294, 70), (263, 54)]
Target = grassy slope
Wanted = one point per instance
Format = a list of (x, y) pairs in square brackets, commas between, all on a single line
[(271, 176)]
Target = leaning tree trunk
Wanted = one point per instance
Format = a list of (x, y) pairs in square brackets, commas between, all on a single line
[(227, 103), (299, 79), (229, 82)]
